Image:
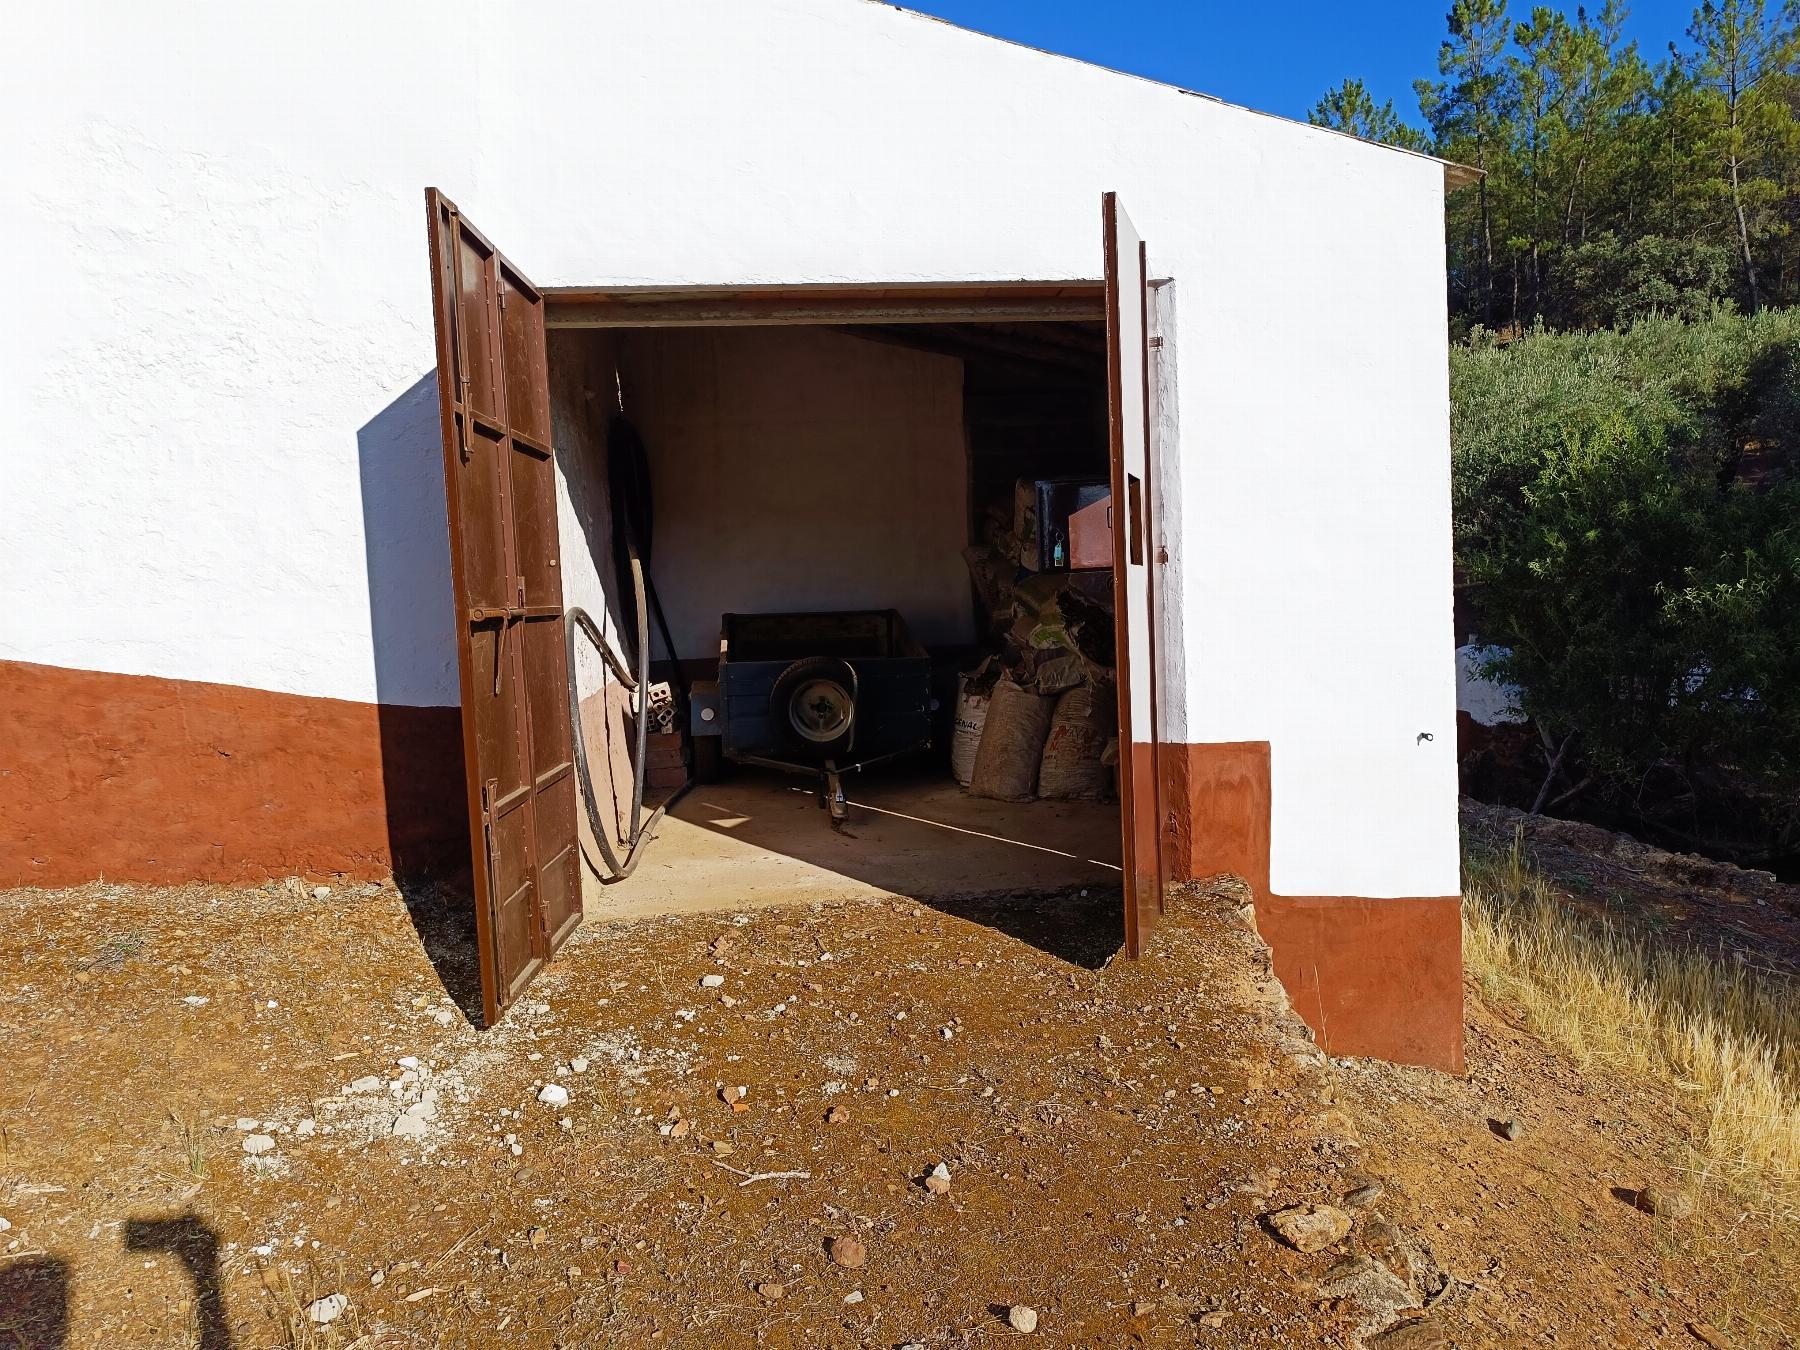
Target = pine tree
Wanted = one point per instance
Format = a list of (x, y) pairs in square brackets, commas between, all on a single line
[(1740, 73), (1351, 108), (1470, 114), (1610, 189)]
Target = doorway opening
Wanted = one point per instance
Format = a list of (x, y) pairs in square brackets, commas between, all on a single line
[(910, 458)]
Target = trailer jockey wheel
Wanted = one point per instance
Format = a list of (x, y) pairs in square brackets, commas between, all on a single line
[(813, 707), (832, 798)]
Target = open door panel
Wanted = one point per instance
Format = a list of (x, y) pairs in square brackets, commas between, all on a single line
[(499, 483), (1133, 487)]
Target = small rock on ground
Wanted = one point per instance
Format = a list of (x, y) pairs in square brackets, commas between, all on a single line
[(1310, 1228), (1022, 1319), (847, 1252), (1665, 1204), (1378, 1293), (1364, 1196), (1426, 1333)]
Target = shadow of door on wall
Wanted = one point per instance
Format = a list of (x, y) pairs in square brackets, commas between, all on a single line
[(406, 545)]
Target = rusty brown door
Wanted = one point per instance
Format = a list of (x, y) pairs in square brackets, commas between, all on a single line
[(1134, 548), (499, 479)]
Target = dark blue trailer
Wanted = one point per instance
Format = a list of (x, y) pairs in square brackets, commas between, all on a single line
[(824, 693)]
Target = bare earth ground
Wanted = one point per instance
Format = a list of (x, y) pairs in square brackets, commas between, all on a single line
[(1547, 1225), (1115, 1134), (1677, 897)]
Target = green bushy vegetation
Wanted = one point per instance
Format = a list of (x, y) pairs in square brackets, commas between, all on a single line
[(1626, 389), (1628, 519)]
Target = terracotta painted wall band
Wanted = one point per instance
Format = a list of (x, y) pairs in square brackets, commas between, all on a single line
[(1372, 977), (1378, 977), (169, 781), (143, 779)]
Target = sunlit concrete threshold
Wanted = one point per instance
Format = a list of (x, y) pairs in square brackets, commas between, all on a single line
[(760, 839)]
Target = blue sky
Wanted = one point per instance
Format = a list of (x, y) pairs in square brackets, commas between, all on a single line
[(1275, 57)]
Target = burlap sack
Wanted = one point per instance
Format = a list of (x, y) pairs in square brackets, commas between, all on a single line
[(965, 741), (1012, 744), (1072, 767)]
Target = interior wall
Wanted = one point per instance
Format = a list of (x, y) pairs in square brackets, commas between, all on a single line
[(801, 469), (1032, 422), (583, 397)]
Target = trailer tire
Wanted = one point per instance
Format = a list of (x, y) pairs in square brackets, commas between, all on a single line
[(813, 707)]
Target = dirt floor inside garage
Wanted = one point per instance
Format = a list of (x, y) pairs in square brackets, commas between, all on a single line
[(262, 1118)]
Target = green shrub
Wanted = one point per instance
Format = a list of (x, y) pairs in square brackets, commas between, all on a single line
[(1606, 282), (1629, 521)]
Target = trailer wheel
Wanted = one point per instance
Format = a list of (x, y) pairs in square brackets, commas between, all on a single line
[(813, 706)]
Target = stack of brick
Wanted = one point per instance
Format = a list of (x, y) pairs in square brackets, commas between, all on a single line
[(665, 767)]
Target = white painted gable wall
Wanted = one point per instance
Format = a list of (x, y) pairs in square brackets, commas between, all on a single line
[(223, 462)]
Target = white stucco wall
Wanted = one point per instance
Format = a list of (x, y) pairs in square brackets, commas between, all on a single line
[(223, 460)]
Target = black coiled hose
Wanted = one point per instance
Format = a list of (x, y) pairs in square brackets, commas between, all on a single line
[(628, 485)]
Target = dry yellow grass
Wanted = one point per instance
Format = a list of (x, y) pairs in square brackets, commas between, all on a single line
[(1726, 1035)]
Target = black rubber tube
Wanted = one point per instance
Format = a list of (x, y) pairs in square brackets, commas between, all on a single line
[(578, 619), (643, 691), (634, 532), (628, 484), (575, 619)]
